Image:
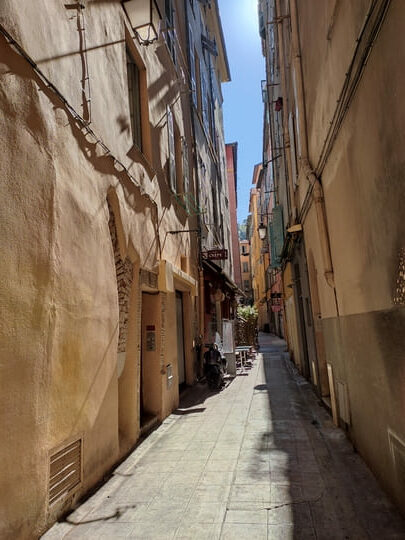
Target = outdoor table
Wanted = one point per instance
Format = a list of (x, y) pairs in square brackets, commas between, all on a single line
[(243, 353)]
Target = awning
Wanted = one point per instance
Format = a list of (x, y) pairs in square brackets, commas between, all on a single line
[(212, 267)]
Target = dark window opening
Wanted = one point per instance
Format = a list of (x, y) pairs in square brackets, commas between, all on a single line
[(134, 96)]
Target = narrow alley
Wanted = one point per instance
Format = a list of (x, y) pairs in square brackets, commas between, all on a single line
[(261, 459)]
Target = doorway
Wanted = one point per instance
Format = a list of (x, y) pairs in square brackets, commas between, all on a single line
[(181, 363), (301, 322), (305, 319), (149, 372)]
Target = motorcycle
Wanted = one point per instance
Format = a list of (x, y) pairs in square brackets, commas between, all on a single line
[(214, 368)]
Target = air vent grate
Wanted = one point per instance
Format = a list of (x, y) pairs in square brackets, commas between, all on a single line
[(65, 471)]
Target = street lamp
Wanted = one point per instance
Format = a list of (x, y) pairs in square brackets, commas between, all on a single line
[(262, 230), (144, 16)]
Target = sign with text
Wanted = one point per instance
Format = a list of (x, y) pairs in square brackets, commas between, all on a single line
[(150, 341), (215, 254)]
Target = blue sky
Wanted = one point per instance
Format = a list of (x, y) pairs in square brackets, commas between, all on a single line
[(243, 107)]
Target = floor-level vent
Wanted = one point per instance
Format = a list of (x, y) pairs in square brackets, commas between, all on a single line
[(65, 471)]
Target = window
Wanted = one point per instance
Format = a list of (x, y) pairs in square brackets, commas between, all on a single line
[(172, 150), (245, 267), (192, 67), (204, 97), (294, 163), (170, 34), (134, 96), (186, 171), (246, 284)]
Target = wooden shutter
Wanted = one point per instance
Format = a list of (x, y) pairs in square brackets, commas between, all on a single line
[(172, 150), (204, 96), (170, 33), (293, 148), (192, 66), (186, 172)]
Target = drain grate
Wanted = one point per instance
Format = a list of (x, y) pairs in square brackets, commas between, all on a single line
[(65, 471)]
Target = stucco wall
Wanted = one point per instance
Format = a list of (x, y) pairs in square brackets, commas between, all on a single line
[(58, 286), (231, 153), (364, 193)]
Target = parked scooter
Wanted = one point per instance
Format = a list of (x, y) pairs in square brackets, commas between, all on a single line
[(213, 367)]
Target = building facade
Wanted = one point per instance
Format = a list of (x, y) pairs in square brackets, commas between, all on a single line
[(246, 271), (232, 170), (102, 281), (259, 254), (335, 153)]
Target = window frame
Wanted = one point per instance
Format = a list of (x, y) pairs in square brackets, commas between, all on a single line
[(172, 173), (134, 101)]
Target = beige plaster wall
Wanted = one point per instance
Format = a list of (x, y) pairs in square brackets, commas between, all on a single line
[(364, 193), (57, 279)]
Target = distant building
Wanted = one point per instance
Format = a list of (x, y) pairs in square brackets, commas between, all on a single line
[(231, 164), (246, 272), (259, 256)]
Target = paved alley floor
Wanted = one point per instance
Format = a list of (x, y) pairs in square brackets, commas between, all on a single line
[(260, 459)]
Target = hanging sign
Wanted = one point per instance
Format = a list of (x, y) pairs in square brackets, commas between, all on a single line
[(215, 254)]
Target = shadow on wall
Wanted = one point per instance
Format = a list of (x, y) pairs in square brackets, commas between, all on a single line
[(101, 161)]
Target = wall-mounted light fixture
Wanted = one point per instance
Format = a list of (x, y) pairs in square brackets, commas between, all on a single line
[(145, 18), (262, 230)]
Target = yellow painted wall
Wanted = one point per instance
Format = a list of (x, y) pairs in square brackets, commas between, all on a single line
[(363, 184), (58, 286), (258, 264)]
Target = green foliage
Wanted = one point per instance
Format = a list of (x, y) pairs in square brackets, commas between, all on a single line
[(248, 312), (246, 324)]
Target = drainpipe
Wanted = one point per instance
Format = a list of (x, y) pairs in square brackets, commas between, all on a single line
[(315, 185), (279, 21)]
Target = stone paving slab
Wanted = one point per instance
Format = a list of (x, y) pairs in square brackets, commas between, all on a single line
[(260, 459)]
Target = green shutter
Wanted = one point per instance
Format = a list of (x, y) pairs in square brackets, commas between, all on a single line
[(276, 233)]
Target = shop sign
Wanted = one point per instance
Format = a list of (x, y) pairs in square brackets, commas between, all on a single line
[(276, 302), (215, 254)]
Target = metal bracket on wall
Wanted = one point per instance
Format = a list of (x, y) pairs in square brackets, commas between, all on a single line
[(278, 19)]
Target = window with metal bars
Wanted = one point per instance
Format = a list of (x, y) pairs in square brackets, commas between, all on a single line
[(134, 96)]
